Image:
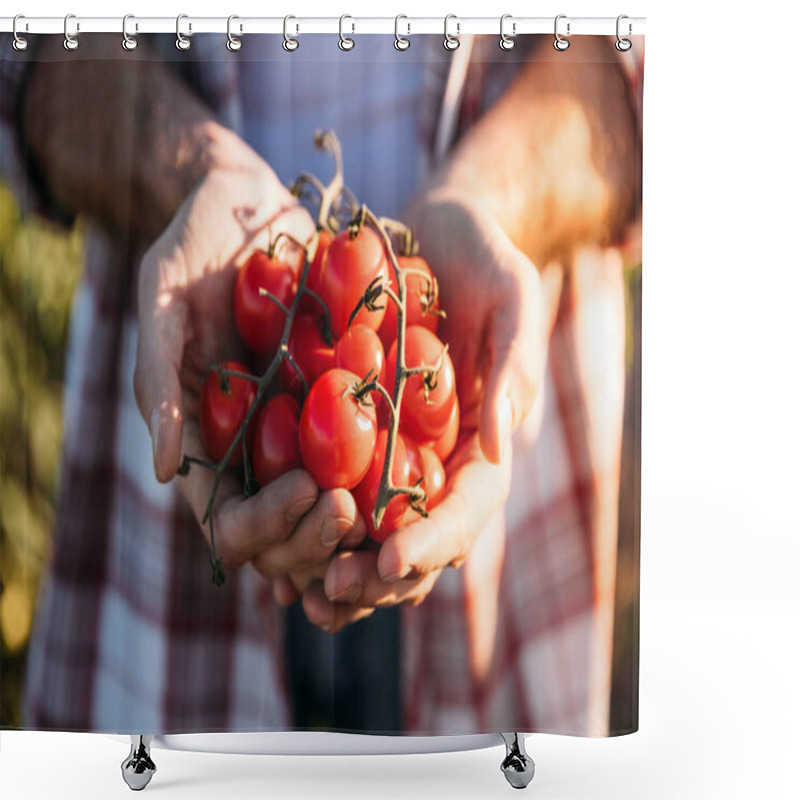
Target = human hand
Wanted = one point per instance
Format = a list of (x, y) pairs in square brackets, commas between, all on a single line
[(497, 329), (186, 324)]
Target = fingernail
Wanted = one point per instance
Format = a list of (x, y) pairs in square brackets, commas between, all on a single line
[(349, 594), (398, 576), (155, 428), (334, 528), (298, 508)]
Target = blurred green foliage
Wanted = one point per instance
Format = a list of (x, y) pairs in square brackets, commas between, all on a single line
[(39, 270)]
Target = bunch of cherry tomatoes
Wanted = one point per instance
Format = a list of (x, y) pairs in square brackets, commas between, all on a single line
[(330, 416)]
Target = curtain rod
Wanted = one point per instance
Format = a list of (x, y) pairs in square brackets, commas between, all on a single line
[(406, 26)]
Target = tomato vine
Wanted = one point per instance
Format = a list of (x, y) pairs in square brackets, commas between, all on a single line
[(337, 207)]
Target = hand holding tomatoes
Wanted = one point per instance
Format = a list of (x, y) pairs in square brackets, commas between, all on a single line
[(328, 422), (186, 288), (187, 281), (498, 338), (334, 426)]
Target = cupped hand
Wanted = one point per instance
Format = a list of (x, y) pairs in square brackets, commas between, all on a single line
[(186, 324), (406, 567), (495, 324)]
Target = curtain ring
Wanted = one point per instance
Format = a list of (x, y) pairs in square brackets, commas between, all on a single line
[(451, 42), (70, 42), (560, 42), (20, 43), (507, 42), (290, 44), (345, 42), (182, 42), (623, 45), (128, 42), (233, 44), (400, 42)]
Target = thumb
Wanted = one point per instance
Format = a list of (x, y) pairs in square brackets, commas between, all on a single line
[(516, 345), (156, 380)]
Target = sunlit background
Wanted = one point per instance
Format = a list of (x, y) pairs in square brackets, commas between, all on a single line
[(39, 269)]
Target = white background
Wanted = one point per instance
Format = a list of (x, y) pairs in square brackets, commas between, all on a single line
[(720, 607)]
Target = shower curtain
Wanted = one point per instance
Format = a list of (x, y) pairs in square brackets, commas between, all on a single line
[(320, 385)]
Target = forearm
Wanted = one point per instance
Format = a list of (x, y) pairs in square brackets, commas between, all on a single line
[(555, 159), (120, 140)]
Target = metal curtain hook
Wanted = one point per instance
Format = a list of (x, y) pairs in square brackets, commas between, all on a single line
[(181, 42), (506, 41), (623, 45), (560, 43), (20, 43), (290, 44), (345, 42), (128, 42), (451, 42), (70, 42), (233, 44), (400, 42)]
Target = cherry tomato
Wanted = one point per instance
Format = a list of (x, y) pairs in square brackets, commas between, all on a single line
[(308, 304), (310, 351), (259, 320), (417, 291), (425, 419), (222, 412), (337, 432), (446, 443), (426, 464), (276, 446), (366, 493), (351, 264), (360, 350)]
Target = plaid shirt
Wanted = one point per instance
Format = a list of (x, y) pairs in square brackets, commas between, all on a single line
[(130, 635)]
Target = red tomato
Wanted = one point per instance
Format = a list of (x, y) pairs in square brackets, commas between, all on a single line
[(276, 447), (417, 288), (366, 493), (310, 351), (446, 443), (309, 304), (222, 413), (337, 433), (360, 350), (351, 264), (426, 465), (259, 320), (425, 419)]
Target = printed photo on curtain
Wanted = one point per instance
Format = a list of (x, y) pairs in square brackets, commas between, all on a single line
[(320, 385)]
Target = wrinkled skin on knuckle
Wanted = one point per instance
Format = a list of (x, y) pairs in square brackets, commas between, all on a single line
[(226, 542), (265, 567), (307, 559)]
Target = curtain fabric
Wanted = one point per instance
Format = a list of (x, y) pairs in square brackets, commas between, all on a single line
[(535, 629)]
